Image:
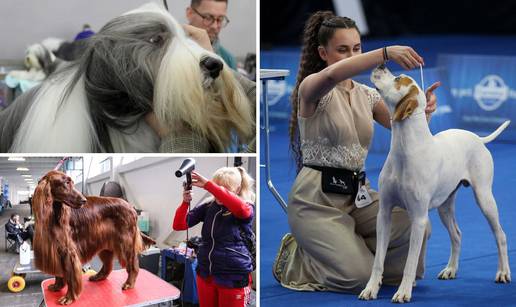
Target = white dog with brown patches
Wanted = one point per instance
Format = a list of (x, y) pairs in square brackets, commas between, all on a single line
[(451, 158)]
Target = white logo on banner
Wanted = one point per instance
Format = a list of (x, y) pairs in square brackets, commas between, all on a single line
[(491, 92), (276, 89)]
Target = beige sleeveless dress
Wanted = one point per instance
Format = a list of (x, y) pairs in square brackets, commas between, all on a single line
[(332, 244)]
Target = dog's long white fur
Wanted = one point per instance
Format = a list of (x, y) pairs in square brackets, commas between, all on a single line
[(42, 130), (209, 112)]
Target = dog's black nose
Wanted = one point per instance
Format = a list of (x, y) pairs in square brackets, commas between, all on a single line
[(83, 201), (212, 65), (382, 66)]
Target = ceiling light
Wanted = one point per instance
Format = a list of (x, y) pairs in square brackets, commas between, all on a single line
[(22, 169), (16, 159), (30, 176)]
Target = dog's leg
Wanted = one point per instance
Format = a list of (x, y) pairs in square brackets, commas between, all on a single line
[(447, 214), (57, 285), (72, 276), (383, 231), (417, 233), (132, 270), (487, 204), (107, 266)]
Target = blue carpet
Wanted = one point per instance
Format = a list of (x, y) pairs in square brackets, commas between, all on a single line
[(478, 261)]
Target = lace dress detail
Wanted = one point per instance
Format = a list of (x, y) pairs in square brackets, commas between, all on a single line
[(321, 106), (339, 132), (321, 152), (373, 97)]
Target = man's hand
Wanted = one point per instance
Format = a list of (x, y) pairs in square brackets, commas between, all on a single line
[(200, 36), (152, 121)]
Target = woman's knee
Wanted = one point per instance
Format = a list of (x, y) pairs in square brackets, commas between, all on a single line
[(401, 228), (350, 279)]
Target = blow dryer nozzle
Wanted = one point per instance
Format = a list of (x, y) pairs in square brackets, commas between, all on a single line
[(187, 166)]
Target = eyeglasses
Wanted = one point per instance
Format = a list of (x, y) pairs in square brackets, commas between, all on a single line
[(208, 19)]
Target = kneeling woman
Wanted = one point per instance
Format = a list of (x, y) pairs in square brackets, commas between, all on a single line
[(333, 240), (224, 259)]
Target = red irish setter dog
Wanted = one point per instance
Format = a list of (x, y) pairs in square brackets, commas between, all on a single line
[(71, 229)]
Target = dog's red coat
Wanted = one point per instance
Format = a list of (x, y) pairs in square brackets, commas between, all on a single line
[(71, 229)]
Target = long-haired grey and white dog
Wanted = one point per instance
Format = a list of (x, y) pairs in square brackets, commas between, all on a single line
[(39, 62), (139, 62)]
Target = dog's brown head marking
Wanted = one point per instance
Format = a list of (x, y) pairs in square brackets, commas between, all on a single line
[(408, 103), (402, 81)]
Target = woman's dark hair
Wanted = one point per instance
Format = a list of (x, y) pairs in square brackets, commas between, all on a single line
[(318, 31)]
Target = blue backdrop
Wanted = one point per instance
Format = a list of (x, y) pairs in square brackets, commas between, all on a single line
[(477, 93), (484, 91)]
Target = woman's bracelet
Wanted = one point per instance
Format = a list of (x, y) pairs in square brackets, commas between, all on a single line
[(385, 54)]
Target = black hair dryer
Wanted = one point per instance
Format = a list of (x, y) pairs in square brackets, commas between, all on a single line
[(186, 168)]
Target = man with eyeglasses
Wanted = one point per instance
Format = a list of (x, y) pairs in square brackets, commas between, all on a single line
[(211, 16)]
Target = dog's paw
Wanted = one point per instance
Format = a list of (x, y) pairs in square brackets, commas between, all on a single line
[(370, 292), (97, 277), (503, 276), (65, 300), (403, 295), (126, 286), (447, 273)]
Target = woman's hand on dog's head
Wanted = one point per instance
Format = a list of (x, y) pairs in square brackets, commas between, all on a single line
[(431, 99), (405, 56)]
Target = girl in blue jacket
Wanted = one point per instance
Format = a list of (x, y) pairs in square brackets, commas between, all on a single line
[(224, 259)]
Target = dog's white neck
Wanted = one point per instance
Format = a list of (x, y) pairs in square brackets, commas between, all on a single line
[(407, 134)]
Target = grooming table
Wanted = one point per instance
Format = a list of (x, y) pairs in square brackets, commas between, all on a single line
[(149, 289), (267, 75)]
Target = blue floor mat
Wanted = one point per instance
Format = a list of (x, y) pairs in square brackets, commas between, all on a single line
[(474, 285)]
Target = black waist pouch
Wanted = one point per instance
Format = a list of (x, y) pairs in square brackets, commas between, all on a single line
[(339, 180)]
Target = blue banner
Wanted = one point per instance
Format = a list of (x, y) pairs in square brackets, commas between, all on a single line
[(484, 92)]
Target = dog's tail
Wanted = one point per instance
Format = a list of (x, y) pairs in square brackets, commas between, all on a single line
[(142, 242), (147, 241), (493, 135)]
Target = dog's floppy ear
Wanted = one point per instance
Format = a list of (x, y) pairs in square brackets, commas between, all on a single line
[(407, 105), (43, 193)]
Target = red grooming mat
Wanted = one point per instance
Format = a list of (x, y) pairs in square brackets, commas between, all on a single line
[(149, 289)]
